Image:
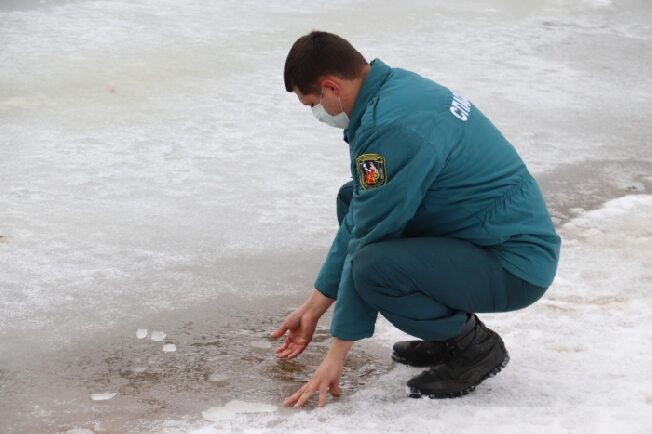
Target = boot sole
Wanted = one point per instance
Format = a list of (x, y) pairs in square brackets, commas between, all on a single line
[(417, 393)]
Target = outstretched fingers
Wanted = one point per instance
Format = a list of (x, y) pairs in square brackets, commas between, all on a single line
[(285, 353), (323, 389), (283, 347), (301, 396), (334, 387), (279, 331), (295, 396), (290, 350), (305, 396), (298, 349)]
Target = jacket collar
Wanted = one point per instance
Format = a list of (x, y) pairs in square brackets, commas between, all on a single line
[(370, 87)]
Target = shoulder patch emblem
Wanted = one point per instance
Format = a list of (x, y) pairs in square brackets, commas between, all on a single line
[(371, 170)]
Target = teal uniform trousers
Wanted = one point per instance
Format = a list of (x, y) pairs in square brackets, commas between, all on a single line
[(426, 286)]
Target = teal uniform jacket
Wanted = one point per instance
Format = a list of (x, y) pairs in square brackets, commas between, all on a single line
[(427, 163)]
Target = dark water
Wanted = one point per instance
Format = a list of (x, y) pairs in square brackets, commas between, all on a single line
[(587, 185)]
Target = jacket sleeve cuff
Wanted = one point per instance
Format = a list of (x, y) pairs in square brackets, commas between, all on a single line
[(332, 295), (355, 336), (328, 282)]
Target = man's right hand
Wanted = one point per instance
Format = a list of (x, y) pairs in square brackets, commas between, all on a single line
[(301, 325)]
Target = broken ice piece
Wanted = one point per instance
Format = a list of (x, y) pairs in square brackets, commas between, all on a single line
[(102, 396), (169, 348), (261, 345), (141, 333), (139, 370), (232, 408), (218, 379), (157, 335)]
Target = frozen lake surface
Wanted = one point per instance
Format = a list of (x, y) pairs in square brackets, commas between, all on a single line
[(159, 187)]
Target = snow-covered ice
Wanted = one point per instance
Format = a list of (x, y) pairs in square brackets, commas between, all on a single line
[(169, 348), (234, 408), (141, 333), (102, 396), (153, 167), (157, 335)]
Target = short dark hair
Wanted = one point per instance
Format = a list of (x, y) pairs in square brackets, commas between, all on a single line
[(318, 54)]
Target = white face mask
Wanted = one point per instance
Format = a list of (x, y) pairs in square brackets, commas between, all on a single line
[(340, 120)]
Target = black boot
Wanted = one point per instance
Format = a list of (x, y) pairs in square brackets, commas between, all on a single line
[(419, 353), (474, 355)]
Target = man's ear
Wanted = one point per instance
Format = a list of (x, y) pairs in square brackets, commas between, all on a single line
[(330, 83)]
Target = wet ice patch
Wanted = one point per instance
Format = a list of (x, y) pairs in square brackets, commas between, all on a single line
[(261, 345), (102, 396), (169, 348), (234, 408), (141, 333), (157, 335), (218, 379)]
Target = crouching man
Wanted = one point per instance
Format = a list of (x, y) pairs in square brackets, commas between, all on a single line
[(441, 221)]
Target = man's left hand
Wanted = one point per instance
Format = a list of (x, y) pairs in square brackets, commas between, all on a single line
[(326, 379)]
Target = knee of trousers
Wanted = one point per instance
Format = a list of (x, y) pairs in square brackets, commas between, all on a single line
[(344, 197), (346, 192), (521, 293), (367, 266)]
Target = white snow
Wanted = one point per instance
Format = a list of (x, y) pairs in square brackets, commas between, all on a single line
[(235, 408), (79, 431), (141, 333), (169, 348), (599, 3), (157, 335), (102, 396)]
